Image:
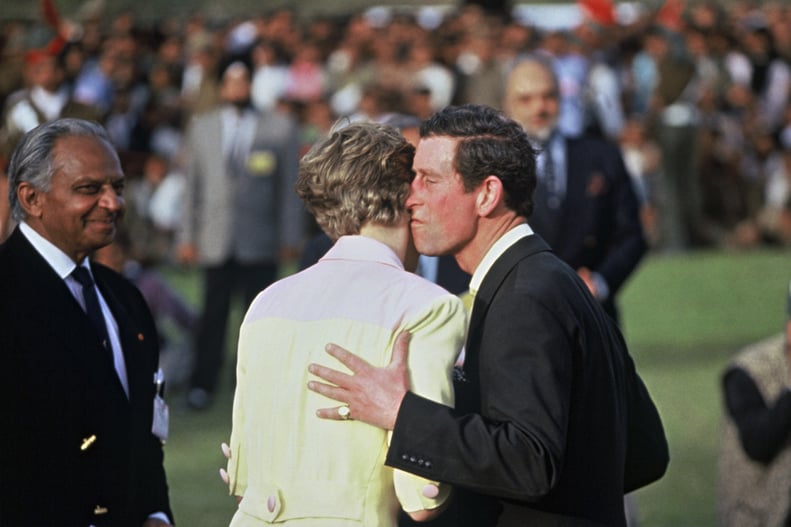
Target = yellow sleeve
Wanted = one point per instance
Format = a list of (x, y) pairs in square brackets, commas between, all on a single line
[(237, 466), (437, 338)]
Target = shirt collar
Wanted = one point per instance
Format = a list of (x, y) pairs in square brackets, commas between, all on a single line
[(497, 250), (358, 247), (57, 259)]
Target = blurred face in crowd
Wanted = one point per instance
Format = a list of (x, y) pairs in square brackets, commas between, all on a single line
[(411, 134), (235, 86), (444, 217), (44, 71), (81, 211), (531, 99)]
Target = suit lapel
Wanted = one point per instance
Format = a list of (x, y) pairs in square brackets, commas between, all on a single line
[(130, 335), (494, 279), (468, 393), (575, 185), (555, 226), (70, 327)]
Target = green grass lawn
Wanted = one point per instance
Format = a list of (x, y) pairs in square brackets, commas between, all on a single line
[(683, 315)]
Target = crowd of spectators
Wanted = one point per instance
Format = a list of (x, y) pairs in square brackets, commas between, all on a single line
[(697, 95)]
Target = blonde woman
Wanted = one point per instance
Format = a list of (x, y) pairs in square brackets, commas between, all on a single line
[(288, 466)]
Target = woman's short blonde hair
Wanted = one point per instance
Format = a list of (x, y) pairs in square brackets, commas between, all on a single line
[(361, 173)]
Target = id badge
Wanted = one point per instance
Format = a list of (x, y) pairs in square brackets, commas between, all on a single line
[(161, 419)]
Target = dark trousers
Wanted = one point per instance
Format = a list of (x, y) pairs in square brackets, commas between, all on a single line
[(219, 285), (681, 218)]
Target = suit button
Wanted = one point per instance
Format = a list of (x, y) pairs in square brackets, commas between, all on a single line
[(87, 442), (405, 457), (428, 464), (412, 459), (420, 462)]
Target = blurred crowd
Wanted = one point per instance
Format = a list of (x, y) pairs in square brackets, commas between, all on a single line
[(696, 94)]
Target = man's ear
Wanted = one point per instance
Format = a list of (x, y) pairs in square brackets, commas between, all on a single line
[(30, 198), (490, 195)]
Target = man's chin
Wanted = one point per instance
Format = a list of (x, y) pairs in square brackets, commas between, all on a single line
[(427, 250), (541, 135), (103, 233)]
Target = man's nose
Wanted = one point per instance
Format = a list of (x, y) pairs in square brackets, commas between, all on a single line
[(111, 199), (411, 197)]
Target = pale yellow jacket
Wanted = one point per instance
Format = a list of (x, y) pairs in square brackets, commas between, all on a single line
[(293, 467)]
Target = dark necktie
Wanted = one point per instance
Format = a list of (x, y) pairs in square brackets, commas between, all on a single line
[(237, 156), (92, 307), (547, 199), (550, 183)]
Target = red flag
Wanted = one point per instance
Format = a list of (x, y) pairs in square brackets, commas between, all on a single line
[(669, 15), (600, 11), (54, 46), (51, 15)]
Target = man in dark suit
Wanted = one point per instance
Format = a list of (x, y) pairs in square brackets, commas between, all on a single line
[(585, 207), (82, 444), (552, 423)]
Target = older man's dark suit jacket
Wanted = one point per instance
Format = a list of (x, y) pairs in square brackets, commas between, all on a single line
[(552, 424), (598, 223), (58, 387)]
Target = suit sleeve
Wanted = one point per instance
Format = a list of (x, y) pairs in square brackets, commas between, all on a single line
[(192, 191), (153, 486), (292, 212), (763, 428), (628, 245), (437, 337), (516, 451), (237, 464), (647, 454)]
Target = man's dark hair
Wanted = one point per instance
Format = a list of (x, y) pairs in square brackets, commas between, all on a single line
[(490, 144)]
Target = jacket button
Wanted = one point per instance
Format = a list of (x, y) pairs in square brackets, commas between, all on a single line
[(428, 464), (412, 459), (87, 442)]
